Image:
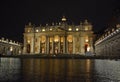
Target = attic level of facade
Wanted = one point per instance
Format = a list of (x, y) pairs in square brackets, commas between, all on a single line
[(61, 26)]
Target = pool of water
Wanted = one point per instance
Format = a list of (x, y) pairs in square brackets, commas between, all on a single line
[(59, 70)]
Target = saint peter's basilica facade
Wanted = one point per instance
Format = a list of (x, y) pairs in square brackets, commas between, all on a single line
[(60, 38)]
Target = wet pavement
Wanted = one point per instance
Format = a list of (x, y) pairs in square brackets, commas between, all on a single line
[(59, 70)]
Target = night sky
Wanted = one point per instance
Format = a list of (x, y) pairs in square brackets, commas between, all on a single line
[(15, 14)]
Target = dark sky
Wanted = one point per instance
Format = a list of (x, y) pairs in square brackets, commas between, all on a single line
[(14, 14)]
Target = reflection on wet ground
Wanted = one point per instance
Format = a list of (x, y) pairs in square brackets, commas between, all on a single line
[(59, 70)]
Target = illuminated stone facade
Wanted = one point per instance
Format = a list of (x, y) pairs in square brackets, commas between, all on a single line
[(58, 38), (109, 43), (9, 47)]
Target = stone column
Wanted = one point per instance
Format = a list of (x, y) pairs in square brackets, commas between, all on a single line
[(82, 45), (53, 44), (48, 42), (64, 45), (25, 43), (40, 47), (73, 44), (38, 44), (59, 44), (79, 45), (32, 45), (91, 44)]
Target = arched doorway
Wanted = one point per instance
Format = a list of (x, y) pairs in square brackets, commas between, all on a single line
[(86, 47), (56, 44), (43, 44), (28, 48)]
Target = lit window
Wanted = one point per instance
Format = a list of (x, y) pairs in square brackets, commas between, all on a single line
[(56, 38), (88, 49), (77, 29), (20, 52), (69, 40), (70, 29), (28, 41), (43, 30), (28, 31), (11, 48), (86, 40), (50, 29), (86, 28), (61, 39), (37, 30)]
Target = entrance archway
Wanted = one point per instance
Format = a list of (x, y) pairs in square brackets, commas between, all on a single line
[(28, 48), (70, 44), (86, 47)]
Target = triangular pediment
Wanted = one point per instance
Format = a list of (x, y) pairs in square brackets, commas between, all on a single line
[(58, 29)]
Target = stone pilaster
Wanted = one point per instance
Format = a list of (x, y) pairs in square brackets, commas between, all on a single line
[(66, 45), (40, 47), (53, 44), (82, 46), (46, 44), (32, 45), (73, 44), (38, 44), (25, 47)]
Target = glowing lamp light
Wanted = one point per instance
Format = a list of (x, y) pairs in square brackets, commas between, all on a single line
[(69, 29), (86, 40), (56, 40), (88, 48), (28, 30), (63, 19), (11, 48), (28, 41), (43, 30), (43, 41), (69, 40), (50, 29), (37, 30), (20, 52), (77, 29)]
